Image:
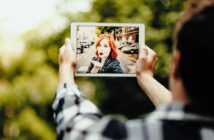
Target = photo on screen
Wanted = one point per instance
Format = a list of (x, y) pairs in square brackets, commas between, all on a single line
[(104, 49)]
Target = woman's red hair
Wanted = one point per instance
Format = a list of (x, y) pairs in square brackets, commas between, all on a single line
[(110, 38)]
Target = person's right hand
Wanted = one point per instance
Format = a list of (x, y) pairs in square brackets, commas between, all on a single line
[(146, 62)]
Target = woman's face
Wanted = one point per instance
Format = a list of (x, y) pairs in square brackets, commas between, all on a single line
[(103, 48)]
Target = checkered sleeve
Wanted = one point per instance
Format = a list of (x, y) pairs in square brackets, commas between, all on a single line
[(77, 118)]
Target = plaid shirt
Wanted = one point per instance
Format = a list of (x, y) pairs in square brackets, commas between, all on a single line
[(79, 119)]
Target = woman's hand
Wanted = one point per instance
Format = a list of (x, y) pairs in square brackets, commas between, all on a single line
[(97, 66), (146, 62), (67, 63)]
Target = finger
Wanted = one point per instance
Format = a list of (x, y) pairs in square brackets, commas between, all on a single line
[(150, 51), (154, 63), (143, 52)]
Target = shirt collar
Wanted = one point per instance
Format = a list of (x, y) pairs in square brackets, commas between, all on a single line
[(178, 111)]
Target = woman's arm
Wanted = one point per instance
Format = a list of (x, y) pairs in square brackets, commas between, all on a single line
[(146, 62), (95, 65)]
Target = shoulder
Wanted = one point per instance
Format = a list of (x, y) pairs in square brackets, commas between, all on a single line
[(114, 61), (116, 127)]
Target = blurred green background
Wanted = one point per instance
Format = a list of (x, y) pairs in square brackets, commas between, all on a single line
[(28, 82)]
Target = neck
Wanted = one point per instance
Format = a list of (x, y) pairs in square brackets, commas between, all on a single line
[(179, 92)]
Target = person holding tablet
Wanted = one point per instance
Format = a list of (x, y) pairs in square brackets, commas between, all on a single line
[(185, 114), (106, 56)]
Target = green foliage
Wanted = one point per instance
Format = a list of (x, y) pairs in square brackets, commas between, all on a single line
[(28, 84), (39, 129), (104, 29)]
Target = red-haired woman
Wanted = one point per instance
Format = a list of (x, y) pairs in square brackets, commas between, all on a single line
[(106, 60)]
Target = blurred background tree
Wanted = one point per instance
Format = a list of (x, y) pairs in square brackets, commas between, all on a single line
[(28, 84)]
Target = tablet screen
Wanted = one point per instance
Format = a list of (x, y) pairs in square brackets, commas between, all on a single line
[(107, 49)]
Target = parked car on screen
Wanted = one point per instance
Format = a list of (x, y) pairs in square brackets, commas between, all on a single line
[(92, 42), (85, 44), (131, 49), (124, 44)]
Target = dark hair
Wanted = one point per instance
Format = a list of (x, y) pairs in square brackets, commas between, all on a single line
[(195, 41)]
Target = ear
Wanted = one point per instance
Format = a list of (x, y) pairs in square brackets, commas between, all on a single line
[(175, 64)]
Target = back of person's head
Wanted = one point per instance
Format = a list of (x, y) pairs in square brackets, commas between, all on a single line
[(195, 41)]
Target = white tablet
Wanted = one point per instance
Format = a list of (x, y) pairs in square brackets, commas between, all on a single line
[(107, 49)]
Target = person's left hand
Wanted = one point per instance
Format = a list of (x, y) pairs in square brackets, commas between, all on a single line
[(67, 63), (67, 55)]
